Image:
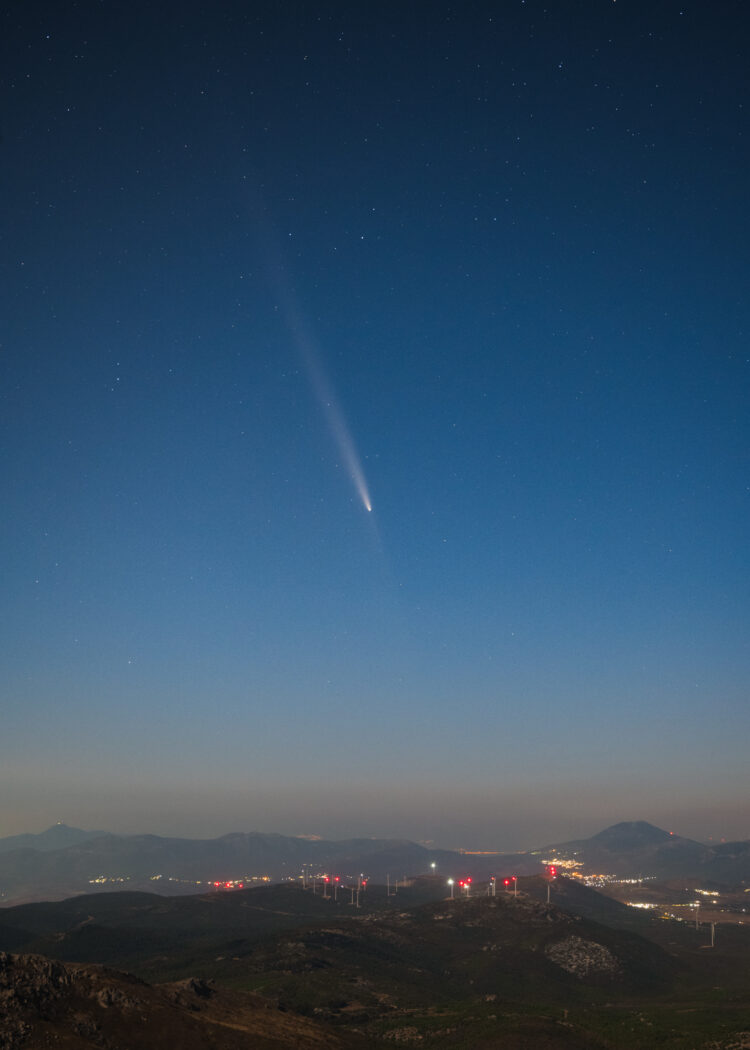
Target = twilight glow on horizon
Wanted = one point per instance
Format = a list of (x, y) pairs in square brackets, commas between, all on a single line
[(375, 419)]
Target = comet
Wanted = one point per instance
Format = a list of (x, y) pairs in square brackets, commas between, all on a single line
[(334, 417), (309, 353)]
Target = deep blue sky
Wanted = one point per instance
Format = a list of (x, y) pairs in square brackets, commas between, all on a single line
[(504, 248)]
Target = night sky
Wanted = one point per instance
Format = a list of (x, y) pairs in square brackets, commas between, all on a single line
[(482, 267)]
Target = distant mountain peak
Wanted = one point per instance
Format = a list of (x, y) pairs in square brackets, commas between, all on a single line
[(630, 833), (59, 836)]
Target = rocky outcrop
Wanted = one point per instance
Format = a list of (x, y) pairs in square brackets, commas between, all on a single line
[(583, 958), (30, 980), (28, 985), (44, 1003), (36, 991)]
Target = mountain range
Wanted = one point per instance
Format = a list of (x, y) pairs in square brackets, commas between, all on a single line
[(100, 861), (64, 861)]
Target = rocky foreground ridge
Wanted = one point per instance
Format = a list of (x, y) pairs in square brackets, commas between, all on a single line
[(44, 1003)]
